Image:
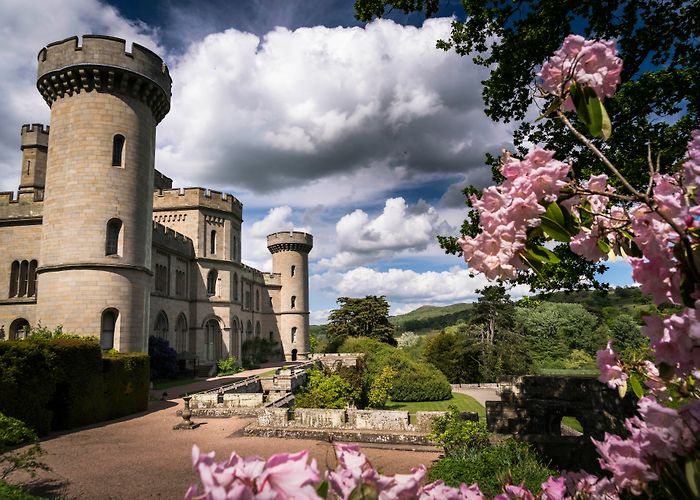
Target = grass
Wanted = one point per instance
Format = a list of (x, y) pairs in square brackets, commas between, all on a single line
[(10, 492), (573, 423), (268, 373), (167, 384), (461, 401), (584, 372)]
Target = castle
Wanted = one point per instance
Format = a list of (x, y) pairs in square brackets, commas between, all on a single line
[(99, 242)]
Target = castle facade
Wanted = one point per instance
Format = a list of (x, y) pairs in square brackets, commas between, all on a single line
[(99, 242)]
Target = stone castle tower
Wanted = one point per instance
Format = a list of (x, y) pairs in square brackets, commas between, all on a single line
[(96, 238), (290, 260), (100, 242)]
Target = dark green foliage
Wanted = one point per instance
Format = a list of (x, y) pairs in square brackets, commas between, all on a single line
[(324, 390), (14, 433), (126, 382), (360, 317), (227, 366), (10, 492), (491, 466), (453, 432), (163, 359), (258, 350)]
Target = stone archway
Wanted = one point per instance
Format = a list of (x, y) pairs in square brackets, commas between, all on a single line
[(294, 354), (17, 329)]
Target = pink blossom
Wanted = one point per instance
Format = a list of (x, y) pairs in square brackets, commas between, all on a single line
[(289, 476), (593, 63), (440, 491), (585, 244), (625, 460), (584, 485), (471, 492), (691, 168), (554, 489), (513, 492), (610, 369), (401, 486), (676, 340)]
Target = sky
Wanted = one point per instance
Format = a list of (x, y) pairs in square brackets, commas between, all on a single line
[(361, 134)]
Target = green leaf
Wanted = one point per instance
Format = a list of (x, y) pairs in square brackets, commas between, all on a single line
[(554, 212), (692, 476), (554, 230), (604, 246), (555, 104), (543, 254), (322, 489), (636, 386), (590, 111)]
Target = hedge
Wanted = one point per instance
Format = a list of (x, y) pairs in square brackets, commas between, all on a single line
[(62, 383)]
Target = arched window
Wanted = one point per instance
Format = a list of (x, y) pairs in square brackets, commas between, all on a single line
[(212, 243), (114, 227), (293, 269), (212, 278), (294, 334), (257, 300), (257, 329), (249, 329), (234, 250), (31, 279), (18, 329), (108, 326), (23, 278), (294, 354), (272, 336), (14, 279), (212, 340), (118, 150), (294, 301), (160, 329), (181, 333), (235, 286)]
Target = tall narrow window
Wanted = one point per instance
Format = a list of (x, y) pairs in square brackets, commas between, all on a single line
[(160, 329), (212, 243), (31, 279), (23, 278), (257, 300), (109, 323), (14, 279), (118, 150), (272, 337), (211, 282), (181, 334), (114, 227), (257, 330), (294, 334), (293, 269), (29, 166), (235, 286), (249, 329), (234, 249), (212, 339), (294, 301)]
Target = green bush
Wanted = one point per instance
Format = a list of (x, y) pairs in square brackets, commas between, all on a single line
[(9, 492), (452, 432), (324, 390), (126, 383), (15, 433), (227, 366), (490, 467)]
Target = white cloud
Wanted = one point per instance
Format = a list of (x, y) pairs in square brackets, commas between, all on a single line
[(398, 228), (26, 28), (407, 289)]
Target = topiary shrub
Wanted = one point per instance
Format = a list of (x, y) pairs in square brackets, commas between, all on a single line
[(324, 390), (417, 381), (163, 359), (126, 383)]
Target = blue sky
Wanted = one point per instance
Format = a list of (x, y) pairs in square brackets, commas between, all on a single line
[(361, 134)]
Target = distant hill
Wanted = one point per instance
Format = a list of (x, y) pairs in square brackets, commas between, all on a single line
[(429, 318)]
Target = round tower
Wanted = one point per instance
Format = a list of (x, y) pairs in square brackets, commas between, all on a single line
[(95, 266), (290, 259)]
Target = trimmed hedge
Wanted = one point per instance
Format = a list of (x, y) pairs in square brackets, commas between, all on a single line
[(62, 383)]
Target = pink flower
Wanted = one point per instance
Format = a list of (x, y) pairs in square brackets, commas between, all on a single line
[(610, 369), (439, 491), (471, 492), (676, 340), (554, 489), (625, 460), (585, 244), (401, 486), (289, 476), (584, 485), (513, 492), (691, 168)]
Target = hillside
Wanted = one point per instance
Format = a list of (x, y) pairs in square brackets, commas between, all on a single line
[(428, 318)]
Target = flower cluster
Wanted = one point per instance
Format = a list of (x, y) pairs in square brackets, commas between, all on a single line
[(610, 368), (593, 63), (676, 340), (508, 210), (660, 435)]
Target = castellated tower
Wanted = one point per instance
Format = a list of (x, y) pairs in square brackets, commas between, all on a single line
[(35, 145), (290, 259), (94, 274)]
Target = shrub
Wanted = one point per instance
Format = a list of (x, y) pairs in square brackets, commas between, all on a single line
[(163, 358), (14, 433), (125, 383), (324, 390), (416, 381), (452, 432), (227, 366), (491, 466), (9, 492), (381, 388)]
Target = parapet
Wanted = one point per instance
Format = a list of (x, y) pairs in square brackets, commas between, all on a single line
[(169, 239), (273, 279), (196, 197), (161, 181), (28, 205), (290, 241), (102, 64), (35, 135)]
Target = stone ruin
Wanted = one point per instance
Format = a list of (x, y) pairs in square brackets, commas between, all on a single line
[(533, 410)]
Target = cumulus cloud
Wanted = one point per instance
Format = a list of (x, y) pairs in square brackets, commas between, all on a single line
[(324, 112), (400, 227), (407, 289), (29, 26)]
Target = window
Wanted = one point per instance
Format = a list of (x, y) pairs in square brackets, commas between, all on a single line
[(212, 278), (257, 329), (249, 329), (294, 334), (160, 329), (257, 300), (212, 243), (181, 334), (29, 166), (212, 339), (294, 301), (235, 286), (180, 283), (234, 249), (19, 329), (272, 336), (246, 304), (114, 227), (293, 269), (161, 278), (118, 150), (109, 324), (23, 278)]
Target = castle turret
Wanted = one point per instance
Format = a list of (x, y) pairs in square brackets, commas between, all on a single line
[(95, 266), (290, 259), (35, 146)]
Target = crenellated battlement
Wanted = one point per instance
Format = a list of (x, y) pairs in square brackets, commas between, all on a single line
[(23, 206), (172, 240), (273, 279), (295, 241), (35, 128), (196, 197), (103, 64)]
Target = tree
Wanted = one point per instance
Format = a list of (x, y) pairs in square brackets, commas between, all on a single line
[(493, 311), (656, 106), (360, 317)]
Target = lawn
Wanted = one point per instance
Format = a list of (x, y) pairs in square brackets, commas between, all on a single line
[(583, 372), (461, 401)]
